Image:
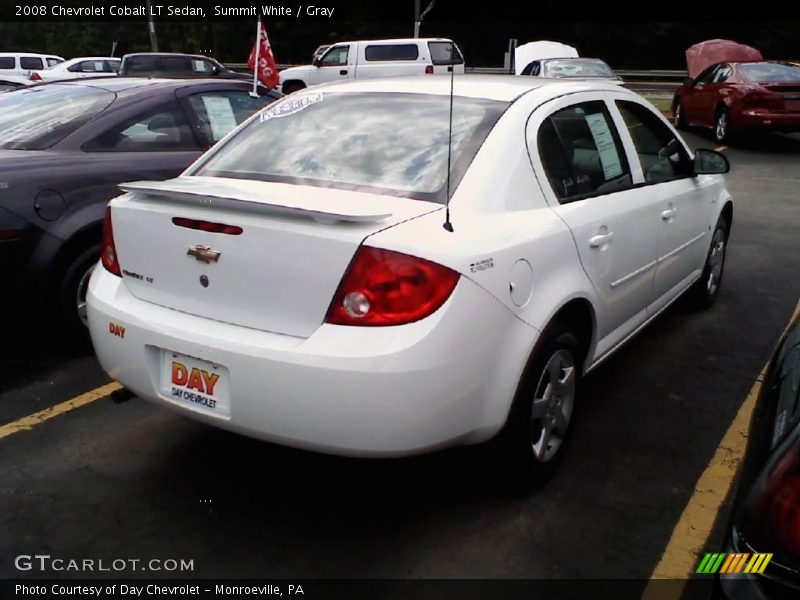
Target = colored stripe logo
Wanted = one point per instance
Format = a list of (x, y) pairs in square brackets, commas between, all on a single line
[(728, 562)]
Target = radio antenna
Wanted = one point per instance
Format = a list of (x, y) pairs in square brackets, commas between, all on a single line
[(447, 224)]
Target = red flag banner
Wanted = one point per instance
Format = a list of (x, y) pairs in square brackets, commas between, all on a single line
[(266, 69)]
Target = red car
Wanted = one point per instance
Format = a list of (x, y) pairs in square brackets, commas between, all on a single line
[(739, 97)]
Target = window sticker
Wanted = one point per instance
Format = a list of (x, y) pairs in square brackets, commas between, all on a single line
[(609, 159), (199, 66), (220, 115), (290, 106)]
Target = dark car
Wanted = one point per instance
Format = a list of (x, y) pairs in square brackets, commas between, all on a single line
[(65, 146), (165, 64), (766, 516), (741, 97)]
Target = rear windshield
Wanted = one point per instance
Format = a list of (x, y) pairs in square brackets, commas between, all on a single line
[(39, 117), (445, 53), (577, 67), (386, 143), (769, 72)]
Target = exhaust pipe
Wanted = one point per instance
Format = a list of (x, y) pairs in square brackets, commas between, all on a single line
[(121, 395)]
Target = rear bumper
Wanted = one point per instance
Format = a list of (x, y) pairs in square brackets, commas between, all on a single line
[(360, 391), (761, 119)]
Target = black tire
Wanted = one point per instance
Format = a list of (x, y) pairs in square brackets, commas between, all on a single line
[(678, 117), (705, 290), (521, 448), (290, 87), (722, 126), (72, 288)]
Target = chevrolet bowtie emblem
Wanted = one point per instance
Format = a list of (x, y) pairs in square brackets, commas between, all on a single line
[(203, 253)]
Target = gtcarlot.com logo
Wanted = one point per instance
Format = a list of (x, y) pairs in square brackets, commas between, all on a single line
[(46, 562)]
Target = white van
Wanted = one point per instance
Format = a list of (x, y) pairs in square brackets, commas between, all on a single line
[(22, 63), (376, 58)]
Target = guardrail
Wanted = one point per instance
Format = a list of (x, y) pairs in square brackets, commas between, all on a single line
[(659, 81)]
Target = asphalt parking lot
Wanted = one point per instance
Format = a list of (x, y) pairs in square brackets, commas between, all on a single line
[(113, 481)]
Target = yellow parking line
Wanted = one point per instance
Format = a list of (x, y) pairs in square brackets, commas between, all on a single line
[(31, 421), (692, 530), (721, 148)]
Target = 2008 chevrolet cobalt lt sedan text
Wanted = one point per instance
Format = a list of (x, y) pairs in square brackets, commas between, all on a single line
[(304, 282)]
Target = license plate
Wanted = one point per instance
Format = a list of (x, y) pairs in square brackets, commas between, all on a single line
[(196, 383)]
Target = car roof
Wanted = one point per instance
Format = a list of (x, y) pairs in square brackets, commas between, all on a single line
[(397, 40), (120, 85), (490, 87), (168, 54)]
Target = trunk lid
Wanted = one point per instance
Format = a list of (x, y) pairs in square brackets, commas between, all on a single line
[(278, 274)]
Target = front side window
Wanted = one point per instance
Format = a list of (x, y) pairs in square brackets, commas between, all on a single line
[(41, 116), (390, 143), (661, 154), (201, 66), (218, 113), (159, 130), (336, 56), (722, 74), (581, 152), (31, 62), (386, 52)]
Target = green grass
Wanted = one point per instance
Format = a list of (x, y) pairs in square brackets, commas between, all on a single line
[(662, 104)]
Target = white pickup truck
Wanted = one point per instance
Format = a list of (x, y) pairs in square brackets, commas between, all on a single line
[(376, 58)]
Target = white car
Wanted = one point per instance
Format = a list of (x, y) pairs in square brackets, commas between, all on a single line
[(77, 68), (318, 279), (21, 64), (9, 83)]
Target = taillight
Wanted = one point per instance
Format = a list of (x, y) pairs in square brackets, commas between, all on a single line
[(35, 76), (382, 287), (771, 520), (108, 255), (429, 70)]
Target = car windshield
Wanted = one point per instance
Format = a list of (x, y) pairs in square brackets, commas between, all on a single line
[(768, 72), (39, 117), (390, 143), (577, 67)]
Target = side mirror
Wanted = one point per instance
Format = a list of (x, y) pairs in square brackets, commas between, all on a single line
[(688, 82), (710, 162)]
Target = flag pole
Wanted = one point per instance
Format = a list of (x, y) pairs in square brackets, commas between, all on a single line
[(254, 93)]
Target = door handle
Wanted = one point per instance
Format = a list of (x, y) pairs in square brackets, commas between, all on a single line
[(668, 215), (600, 240), (342, 71)]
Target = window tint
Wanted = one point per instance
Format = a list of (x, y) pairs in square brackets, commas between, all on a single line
[(581, 152), (219, 112), (173, 65), (336, 56), (445, 53), (30, 62), (660, 153), (162, 129), (7, 62), (140, 64), (392, 52)]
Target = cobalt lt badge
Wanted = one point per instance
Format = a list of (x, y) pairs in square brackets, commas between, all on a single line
[(203, 253)]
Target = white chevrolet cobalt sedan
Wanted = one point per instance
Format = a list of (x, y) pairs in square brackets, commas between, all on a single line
[(353, 271)]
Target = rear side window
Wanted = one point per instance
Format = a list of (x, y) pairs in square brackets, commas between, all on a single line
[(391, 52), (52, 62), (162, 129), (7, 62), (30, 62), (660, 153), (218, 113), (41, 116), (140, 64), (445, 53), (581, 152)]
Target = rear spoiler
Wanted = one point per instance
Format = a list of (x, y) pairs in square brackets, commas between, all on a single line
[(231, 193)]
